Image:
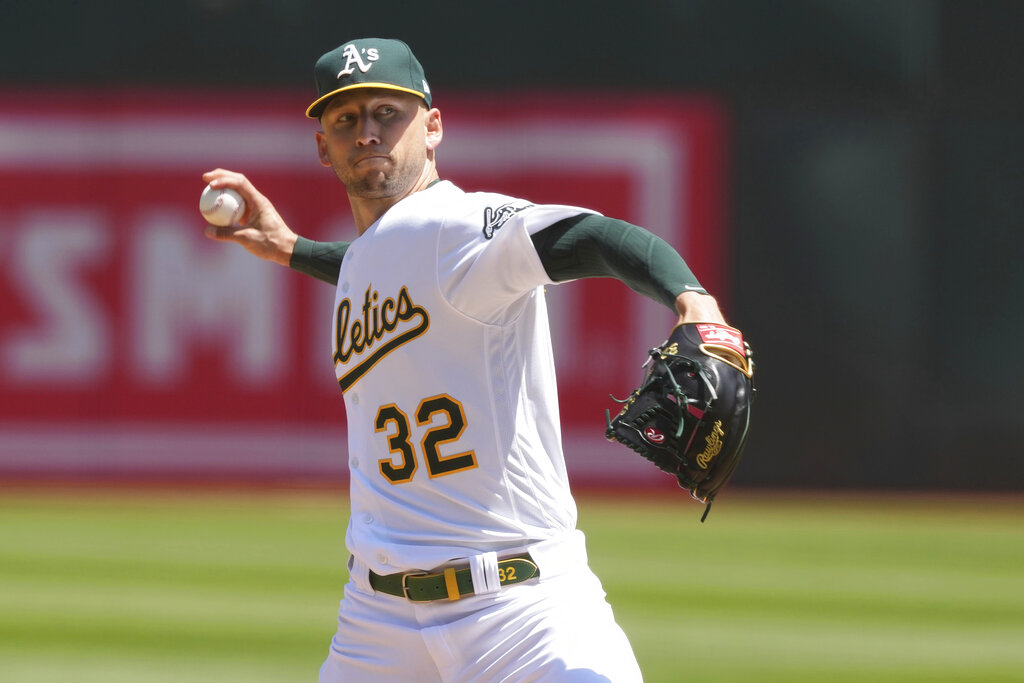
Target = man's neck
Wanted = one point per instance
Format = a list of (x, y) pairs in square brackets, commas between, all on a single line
[(366, 212)]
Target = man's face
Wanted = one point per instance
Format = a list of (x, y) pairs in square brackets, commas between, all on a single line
[(375, 140)]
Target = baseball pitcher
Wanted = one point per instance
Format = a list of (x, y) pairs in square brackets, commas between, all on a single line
[(466, 563)]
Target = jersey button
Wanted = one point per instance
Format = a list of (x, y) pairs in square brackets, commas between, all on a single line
[(382, 558), (368, 518), (344, 287), (354, 464)]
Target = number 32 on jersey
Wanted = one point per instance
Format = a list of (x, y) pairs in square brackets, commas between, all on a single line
[(447, 421)]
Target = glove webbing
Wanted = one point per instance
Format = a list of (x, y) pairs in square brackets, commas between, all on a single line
[(682, 399)]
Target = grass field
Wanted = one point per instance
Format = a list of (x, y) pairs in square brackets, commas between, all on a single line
[(154, 586)]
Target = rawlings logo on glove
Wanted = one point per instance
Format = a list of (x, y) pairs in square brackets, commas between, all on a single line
[(653, 435), (714, 445), (691, 414)]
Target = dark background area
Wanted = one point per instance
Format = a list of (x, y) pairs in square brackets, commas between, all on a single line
[(876, 181)]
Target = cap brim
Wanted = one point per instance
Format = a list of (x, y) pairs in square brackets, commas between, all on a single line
[(317, 108)]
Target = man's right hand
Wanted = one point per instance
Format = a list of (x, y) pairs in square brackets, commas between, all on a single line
[(261, 231)]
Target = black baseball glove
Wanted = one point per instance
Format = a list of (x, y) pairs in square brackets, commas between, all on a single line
[(691, 414)]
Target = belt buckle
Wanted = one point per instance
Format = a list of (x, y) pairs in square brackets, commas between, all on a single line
[(405, 585)]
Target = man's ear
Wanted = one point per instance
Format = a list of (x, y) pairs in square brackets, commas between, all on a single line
[(434, 129), (321, 149)]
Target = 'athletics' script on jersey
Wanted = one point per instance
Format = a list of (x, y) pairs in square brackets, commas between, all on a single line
[(393, 322)]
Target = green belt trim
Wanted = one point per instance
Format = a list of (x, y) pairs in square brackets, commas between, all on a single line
[(424, 587)]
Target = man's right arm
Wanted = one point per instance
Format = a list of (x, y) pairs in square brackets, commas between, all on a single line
[(321, 260), (263, 233)]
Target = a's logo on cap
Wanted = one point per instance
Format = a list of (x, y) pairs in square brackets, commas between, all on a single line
[(353, 59)]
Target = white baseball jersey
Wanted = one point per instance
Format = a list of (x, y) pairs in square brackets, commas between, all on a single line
[(442, 348)]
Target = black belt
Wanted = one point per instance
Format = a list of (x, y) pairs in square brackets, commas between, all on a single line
[(450, 583)]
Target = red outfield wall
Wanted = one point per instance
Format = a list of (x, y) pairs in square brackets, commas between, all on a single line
[(130, 345)]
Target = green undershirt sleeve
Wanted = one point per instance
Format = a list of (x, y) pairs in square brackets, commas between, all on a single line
[(575, 248), (596, 246), (321, 260)]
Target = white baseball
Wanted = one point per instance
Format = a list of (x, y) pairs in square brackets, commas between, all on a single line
[(221, 207)]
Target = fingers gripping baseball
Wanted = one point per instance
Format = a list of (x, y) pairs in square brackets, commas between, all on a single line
[(260, 229)]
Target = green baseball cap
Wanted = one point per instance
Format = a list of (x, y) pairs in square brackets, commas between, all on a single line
[(367, 63)]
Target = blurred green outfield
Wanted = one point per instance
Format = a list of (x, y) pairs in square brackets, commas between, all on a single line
[(159, 586)]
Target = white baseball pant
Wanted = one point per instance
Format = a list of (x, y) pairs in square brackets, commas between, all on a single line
[(558, 629)]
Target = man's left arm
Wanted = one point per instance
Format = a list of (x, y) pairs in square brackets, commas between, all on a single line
[(691, 413), (591, 245)]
